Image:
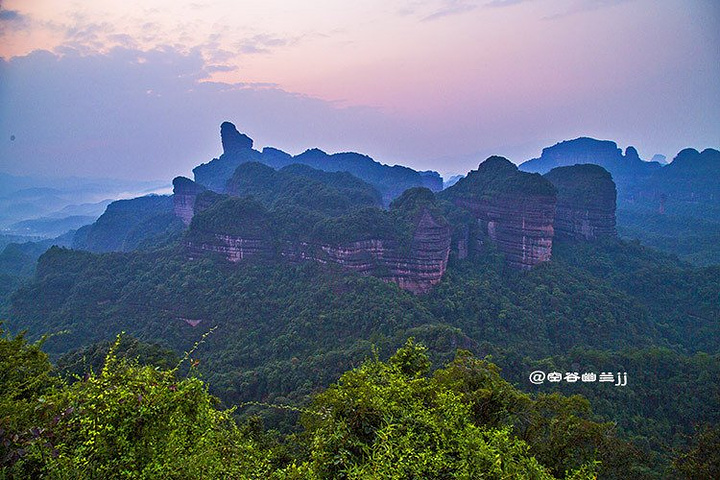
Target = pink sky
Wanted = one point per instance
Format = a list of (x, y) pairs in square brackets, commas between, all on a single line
[(436, 84)]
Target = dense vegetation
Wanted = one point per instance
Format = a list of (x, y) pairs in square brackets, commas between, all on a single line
[(584, 186), (388, 419), (497, 175), (285, 331), (296, 347), (128, 224)]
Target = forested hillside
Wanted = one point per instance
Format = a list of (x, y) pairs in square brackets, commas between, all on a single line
[(290, 287)]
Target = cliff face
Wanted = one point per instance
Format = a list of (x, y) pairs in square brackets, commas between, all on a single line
[(521, 226), (242, 229), (585, 202), (514, 209), (416, 270), (233, 248), (237, 149), (184, 193)]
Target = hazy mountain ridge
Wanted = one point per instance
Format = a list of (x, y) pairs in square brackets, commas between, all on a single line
[(659, 204), (391, 181)]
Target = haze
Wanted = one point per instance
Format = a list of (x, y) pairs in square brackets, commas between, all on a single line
[(138, 89)]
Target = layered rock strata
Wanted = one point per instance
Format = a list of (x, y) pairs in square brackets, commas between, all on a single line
[(415, 269), (233, 248), (514, 209), (185, 191), (585, 202)]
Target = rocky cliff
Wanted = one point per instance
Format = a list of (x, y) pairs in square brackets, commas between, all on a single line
[(416, 269), (585, 202), (408, 245), (184, 193), (514, 209), (236, 228), (237, 149)]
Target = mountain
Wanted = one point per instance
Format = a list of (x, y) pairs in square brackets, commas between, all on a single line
[(586, 202), (407, 245), (49, 226), (290, 275), (674, 207), (588, 150), (126, 224), (237, 149), (514, 209)]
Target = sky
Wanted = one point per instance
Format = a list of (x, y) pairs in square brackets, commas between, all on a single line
[(138, 90)]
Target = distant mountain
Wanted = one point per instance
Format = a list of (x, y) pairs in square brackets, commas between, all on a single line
[(94, 209), (126, 224), (48, 226), (452, 181), (589, 150), (237, 149), (691, 176), (669, 206), (26, 198)]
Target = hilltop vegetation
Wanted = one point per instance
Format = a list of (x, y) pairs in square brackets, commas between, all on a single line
[(381, 420), (284, 331)]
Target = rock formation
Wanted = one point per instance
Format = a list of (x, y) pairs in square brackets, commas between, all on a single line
[(588, 150), (391, 181), (184, 193), (235, 228), (514, 209), (416, 270), (585, 202), (232, 140), (241, 229), (237, 149)]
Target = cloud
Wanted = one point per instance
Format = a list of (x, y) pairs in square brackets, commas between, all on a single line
[(264, 43), (11, 16), (452, 7), (150, 114), (583, 6), (504, 3)]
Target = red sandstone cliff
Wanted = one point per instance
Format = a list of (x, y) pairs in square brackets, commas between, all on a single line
[(515, 209), (585, 202)]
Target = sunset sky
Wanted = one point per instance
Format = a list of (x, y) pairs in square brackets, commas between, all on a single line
[(139, 89)]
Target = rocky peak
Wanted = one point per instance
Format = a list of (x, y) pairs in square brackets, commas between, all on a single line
[(185, 191), (232, 140), (585, 202), (514, 209), (631, 154)]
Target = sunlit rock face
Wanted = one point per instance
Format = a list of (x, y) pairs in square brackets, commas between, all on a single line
[(515, 210), (585, 202)]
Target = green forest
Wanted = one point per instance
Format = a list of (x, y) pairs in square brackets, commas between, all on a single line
[(278, 337), (144, 356)]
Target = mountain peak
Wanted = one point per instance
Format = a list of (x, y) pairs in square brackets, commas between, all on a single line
[(232, 140)]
